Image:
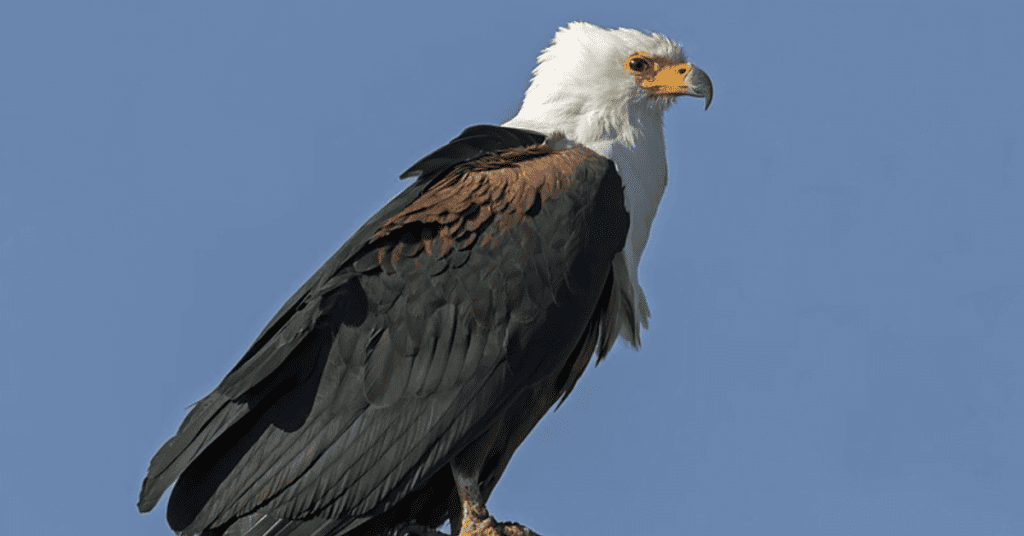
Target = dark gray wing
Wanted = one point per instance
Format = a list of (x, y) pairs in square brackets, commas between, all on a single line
[(394, 354)]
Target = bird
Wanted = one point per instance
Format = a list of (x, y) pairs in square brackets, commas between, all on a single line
[(389, 393)]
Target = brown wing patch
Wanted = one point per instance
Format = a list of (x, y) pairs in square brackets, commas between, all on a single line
[(479, 200)]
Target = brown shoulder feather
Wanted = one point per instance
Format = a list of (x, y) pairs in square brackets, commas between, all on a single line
[(481, 199)]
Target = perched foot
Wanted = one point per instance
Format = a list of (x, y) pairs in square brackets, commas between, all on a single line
[(488, 526), (471, 518), (511, 528)]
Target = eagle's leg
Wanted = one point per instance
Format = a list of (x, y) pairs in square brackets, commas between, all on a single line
[(471, 518)]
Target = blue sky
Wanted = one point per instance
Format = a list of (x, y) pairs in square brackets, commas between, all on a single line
[(836, 272)]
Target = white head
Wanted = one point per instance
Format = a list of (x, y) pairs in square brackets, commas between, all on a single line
[(593, 83), (608, 90)]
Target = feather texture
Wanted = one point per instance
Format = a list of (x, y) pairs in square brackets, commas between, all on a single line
[(388, 363)]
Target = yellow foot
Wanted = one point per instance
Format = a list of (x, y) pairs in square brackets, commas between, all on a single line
[(489, 527), (511, 528)]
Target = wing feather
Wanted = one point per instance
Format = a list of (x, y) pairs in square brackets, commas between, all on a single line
[(397, 352)]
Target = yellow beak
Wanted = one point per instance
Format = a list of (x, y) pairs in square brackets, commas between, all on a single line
[(680, 79)]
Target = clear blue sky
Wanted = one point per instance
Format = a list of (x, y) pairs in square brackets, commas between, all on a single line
[(836, 273)]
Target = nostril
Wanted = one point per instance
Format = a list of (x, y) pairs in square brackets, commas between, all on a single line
[(682, 71)]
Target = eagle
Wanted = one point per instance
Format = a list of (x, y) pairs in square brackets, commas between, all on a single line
[(389, 392)]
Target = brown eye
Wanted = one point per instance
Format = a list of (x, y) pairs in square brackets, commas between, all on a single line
[(637, 64)]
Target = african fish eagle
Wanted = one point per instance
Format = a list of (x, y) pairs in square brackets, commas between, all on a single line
[(388, 394)]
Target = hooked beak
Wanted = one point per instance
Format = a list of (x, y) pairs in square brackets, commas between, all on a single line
[(677, 79), (699, 85)]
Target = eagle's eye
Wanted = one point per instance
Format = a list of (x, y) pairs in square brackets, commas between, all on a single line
[(638, 64)]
